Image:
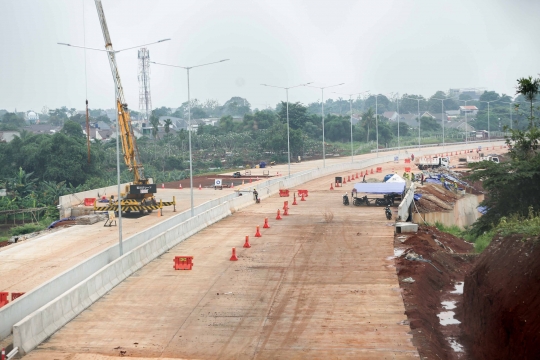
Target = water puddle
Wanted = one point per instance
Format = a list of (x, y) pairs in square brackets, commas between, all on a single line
[(447, 318), (398, 252), (455, 345), (458, 288), (449, 305)]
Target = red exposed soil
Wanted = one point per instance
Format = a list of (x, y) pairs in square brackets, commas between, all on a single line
[(423, 297), (502, 302), (4, 243)]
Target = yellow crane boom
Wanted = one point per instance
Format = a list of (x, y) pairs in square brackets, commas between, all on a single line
[(129, 144)]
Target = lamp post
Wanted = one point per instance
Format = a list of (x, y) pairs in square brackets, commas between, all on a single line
[(466, 125), (419, 120), (488, 102), (377, 121), (187, 68), (350, 104), (111, 55), (288, 140), (442, 117), (322, 115)]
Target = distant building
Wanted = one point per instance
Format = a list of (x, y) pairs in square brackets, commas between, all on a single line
[(452, 113), (43, 129), (474, 93), (390, 115), (32, 117), (469, 110)]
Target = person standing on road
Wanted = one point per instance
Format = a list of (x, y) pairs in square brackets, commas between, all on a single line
[(255, 195)]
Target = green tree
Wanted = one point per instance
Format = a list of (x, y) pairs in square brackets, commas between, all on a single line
[(71, 128), (168, 124), (297, 114), (154, 121), (12, 121), (368, 121), (529, 88)]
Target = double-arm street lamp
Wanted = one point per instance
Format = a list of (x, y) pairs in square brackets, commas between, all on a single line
[(288, 141), (112, 60), (322, 114), (350, 104), (187, 68)]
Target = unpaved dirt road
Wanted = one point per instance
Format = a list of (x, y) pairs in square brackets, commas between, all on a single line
[(317, 284)]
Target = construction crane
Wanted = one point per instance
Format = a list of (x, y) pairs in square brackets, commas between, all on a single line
[(140, 195)]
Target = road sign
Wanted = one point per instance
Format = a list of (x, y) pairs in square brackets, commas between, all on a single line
[(217, 182)]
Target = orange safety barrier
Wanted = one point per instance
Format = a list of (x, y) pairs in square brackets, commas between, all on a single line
[(283, 193), (89, 201), (16, 295), (303, 192), (407, 169), (183, 262), (4, 298), (379, 169), (407, 161)]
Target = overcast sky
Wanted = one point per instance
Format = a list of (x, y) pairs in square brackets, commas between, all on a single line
[(415, 47)]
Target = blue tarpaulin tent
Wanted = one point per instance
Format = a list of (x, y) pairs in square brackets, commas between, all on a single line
[(380, 188)]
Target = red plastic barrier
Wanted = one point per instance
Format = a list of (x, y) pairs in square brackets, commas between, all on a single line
[(302, 192), (4, 298), (379, 169), (89, 201), (407, 161), (16, 295), (183, 262), (284, 193), (407, 169)]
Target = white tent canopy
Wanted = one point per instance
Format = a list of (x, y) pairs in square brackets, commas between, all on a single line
[(395, 178)]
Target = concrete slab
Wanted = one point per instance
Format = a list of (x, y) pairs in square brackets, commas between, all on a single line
[(316, 284)]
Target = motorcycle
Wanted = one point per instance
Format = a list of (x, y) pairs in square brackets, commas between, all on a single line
[(345, 199), (388, 213)]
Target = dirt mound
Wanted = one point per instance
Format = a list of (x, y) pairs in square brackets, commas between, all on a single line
[(502, 302), (423, 297), (435, 198)]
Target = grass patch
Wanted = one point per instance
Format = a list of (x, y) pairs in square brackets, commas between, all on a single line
[(30, 227), (453, 230)]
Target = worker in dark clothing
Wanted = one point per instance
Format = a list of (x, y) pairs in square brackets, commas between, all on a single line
[(255, 195), (422, 179)]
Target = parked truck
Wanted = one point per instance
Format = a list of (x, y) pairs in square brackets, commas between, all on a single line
[(432, 163), (492, 158)]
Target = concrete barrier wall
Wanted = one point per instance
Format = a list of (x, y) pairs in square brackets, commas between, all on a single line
[(33, 300), (38, 326), (66, 202), (404, 206), (465, 213)]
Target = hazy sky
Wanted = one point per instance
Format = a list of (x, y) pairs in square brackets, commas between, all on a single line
[(414, 47)]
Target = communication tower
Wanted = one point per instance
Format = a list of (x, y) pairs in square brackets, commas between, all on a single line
[(145, 100)]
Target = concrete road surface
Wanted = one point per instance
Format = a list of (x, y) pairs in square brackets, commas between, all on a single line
[(318, 284)]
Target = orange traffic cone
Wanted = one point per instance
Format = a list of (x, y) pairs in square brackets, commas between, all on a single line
[(180, 187), (344, 180), (162, 185), (250, 180), (372, 170), (294, 202), (266, 225), (331, 187), (349, 178), (258, 232), (247, 244), (357, 175), (234, 257), (285, 205), (278, 217), (200, 187), (232, 185), (302, 199)]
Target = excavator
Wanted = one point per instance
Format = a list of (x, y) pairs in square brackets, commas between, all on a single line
[(138, 196)]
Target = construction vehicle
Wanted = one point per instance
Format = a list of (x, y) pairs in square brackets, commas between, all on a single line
[(432, 163), (492, 158), (138, 196)]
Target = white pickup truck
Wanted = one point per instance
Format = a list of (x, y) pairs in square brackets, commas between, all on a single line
[(495, 159), (432, 163)]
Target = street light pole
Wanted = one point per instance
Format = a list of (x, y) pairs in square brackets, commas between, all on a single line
[(188, 68), (116, 79), (322, 115), (350, 104), (288, 139), (377, 121)]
